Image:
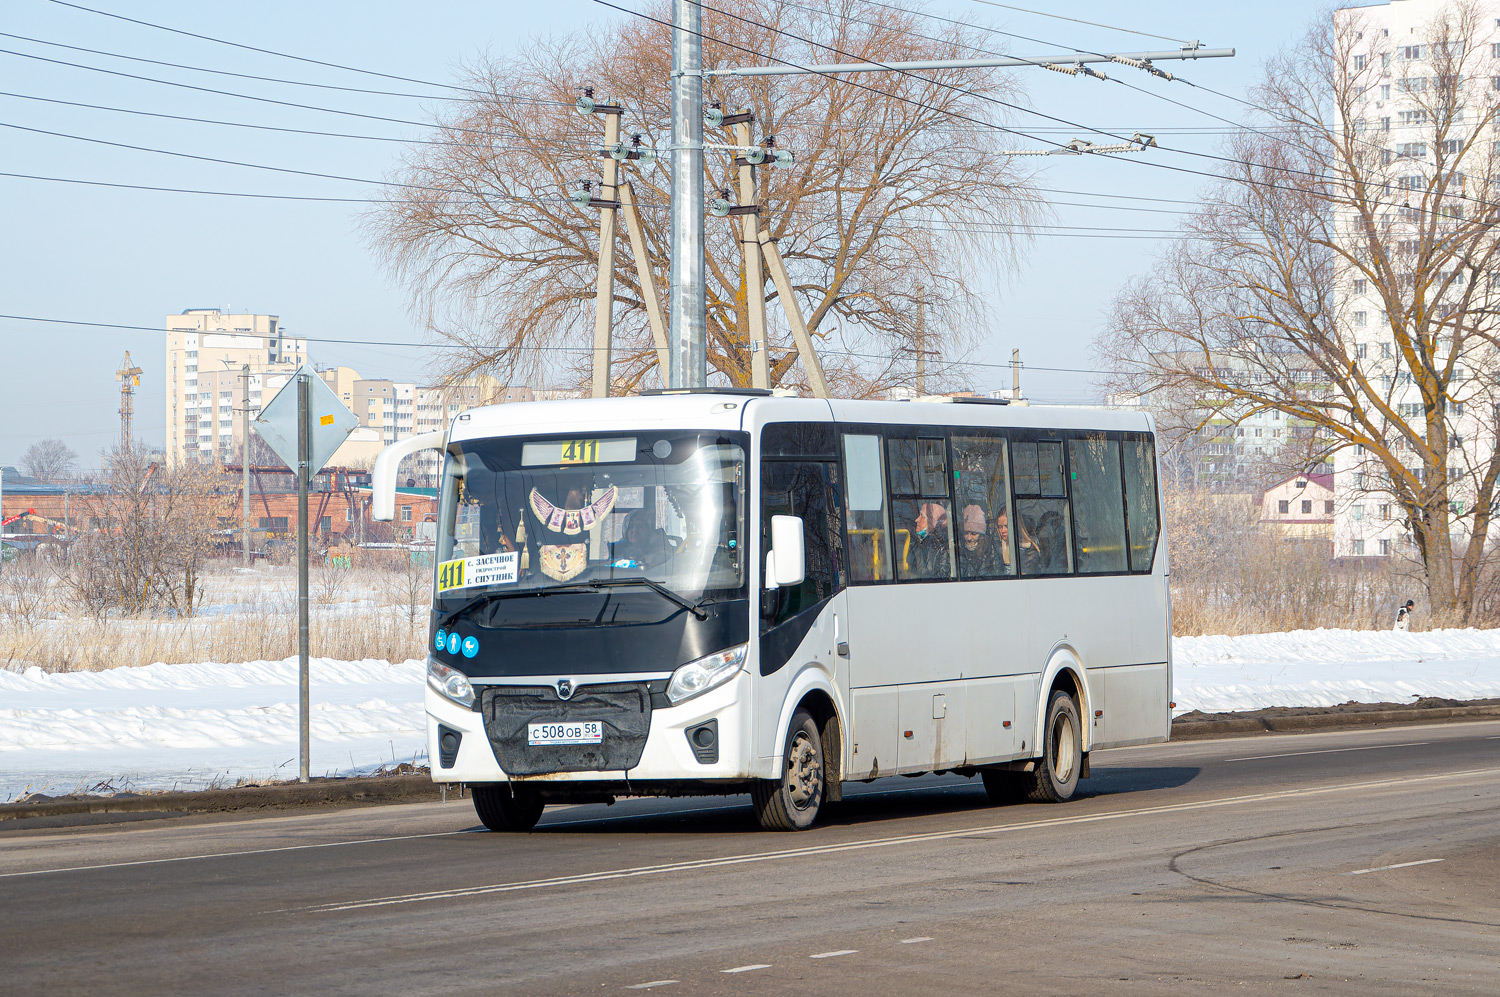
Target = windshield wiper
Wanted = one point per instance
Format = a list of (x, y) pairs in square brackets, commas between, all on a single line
[(684, 602), (468, 605)]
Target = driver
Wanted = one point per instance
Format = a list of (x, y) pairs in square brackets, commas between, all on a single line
[(643, 541)]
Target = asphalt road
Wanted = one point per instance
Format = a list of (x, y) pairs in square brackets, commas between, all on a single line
[(1351, 862)]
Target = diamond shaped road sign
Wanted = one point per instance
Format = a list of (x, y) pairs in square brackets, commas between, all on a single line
[(332, 422)]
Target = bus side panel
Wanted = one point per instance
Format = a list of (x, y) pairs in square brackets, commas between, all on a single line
[(992, 714), (1136, 696), (873, 750)]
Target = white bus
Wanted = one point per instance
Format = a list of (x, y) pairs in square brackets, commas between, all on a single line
[(718, 592)]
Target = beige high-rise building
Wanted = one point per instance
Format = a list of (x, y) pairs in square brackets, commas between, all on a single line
[(206, 351)]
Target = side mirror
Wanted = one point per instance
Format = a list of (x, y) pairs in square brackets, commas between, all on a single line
[(383, 478), (786, 560)]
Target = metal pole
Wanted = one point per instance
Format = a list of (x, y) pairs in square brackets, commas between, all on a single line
[(604, 292), (921, 344), (689, 356), (755, 282), (245, 461), (1064, 60), (1015, 374), (304, 458)]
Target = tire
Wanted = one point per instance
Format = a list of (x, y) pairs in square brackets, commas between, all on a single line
[(1057, 771), (504, 809), (791, 803)]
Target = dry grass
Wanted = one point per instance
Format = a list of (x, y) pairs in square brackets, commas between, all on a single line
[(377, 610)]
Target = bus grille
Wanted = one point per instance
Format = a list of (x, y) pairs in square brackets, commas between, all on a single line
[(623, 707)]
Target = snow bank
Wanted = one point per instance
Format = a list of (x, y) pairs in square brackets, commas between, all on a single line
[(192, 726), (1328, 667), (197, 725)]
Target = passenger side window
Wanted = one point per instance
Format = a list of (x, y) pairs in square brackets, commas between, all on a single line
[(1098, 503), (808, 489), (1140, 501), (921, 510), (1043, 529), (865, 517), (982, 493)]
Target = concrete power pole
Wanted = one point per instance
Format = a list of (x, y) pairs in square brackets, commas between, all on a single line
[(921, 344), (688, 317), (605, 291), (1015, 375), (750, 253)]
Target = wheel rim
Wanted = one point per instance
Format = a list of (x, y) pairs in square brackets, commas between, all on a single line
[(804, 772), (1064, 747)]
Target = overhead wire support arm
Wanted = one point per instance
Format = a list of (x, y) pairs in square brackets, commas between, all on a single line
[(1072, 59)]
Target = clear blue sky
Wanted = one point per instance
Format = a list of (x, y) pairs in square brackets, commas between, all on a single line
[(132, 257)]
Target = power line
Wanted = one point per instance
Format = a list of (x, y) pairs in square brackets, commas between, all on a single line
[(226, 72), (281, 55), (246, 96), (544, 349), (293, 131), (1092, 24)]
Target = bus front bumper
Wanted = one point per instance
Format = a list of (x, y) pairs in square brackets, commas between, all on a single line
[(668, 755)]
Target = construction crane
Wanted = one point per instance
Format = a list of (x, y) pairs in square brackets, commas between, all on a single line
[(129, 377)]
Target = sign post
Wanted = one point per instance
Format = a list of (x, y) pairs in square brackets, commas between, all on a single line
[(304, 424)]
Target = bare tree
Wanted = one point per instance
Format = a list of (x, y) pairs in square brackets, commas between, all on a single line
[(150, 531), (49, 460), (1341, 274), (883, 208)]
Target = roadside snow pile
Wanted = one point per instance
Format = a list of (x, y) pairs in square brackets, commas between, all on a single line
[(1329, 667), (201, 725)]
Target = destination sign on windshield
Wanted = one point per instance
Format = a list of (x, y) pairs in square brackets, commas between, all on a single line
[(616, 451)]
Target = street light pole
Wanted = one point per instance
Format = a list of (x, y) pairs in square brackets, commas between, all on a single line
[(689, 344), (245, 461)]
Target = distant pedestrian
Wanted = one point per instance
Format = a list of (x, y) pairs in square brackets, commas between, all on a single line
[(1403, 616)]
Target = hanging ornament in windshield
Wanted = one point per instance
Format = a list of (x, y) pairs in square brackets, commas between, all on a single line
[(572, 521)]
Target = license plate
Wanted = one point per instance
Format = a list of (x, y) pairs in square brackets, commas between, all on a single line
[(576, 732)]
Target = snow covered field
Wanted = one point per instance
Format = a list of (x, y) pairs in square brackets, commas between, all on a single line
[(198, 725)]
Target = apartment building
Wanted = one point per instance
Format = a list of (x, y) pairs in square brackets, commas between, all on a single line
[(206, 351), (1398, 43)]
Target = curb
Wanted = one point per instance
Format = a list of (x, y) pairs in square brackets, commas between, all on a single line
[(386, 788), (1292, 723)]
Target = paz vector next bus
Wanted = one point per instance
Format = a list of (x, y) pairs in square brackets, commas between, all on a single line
[(715, 592)]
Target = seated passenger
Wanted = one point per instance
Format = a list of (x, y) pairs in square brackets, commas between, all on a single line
[(1031, 553), (929, 542), (980, 557), (642, 542)]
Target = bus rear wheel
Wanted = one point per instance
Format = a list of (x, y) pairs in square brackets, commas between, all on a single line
[(1057, 771), (502, 808), (791, 803)]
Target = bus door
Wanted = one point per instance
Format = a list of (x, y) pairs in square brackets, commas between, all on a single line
[(806, 623)]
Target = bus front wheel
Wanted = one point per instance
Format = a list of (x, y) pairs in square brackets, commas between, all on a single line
[(791, 803), (1057, 771), (502, 808)]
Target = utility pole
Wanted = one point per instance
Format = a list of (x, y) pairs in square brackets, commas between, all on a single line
[(921, 343), (810, 362), (643, 275), (750, 254), (129, 377), (688, 315), (245, 461), (1015, 375), (605, 289)]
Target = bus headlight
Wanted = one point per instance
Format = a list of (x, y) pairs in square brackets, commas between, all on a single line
[(450, 682), (699, 676)]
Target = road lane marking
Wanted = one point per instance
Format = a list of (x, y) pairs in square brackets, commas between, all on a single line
[(836, 952), (913, 941), (1328, 751), (859, 845), (225, 855), (746, 969), (648, 986), (1398, 865)]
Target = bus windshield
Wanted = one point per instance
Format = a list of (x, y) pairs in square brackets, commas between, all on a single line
[(524, 515)]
